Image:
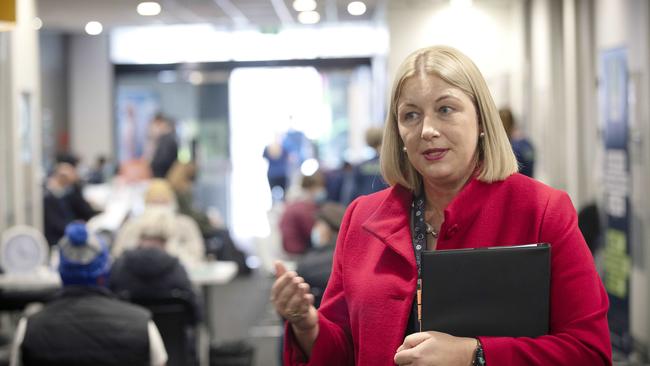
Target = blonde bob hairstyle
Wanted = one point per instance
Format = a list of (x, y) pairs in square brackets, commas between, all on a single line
[(495, 158)]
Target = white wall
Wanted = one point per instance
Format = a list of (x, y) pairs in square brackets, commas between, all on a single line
[(489, 33), (91, 88), (6, 165), (21, 121)]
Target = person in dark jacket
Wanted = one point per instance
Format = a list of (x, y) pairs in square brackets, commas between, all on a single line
[(86, 324), (148, 272), (63, 202), (166, 146), (367, 174), (316, 265), (521, 146)]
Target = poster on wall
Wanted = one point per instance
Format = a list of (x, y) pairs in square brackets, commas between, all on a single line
[(135, 110), (617, 266)]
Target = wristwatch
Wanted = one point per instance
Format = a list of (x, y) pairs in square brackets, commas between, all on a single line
[(479, 358)]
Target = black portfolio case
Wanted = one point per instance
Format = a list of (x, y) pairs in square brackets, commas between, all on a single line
[(497, 291)]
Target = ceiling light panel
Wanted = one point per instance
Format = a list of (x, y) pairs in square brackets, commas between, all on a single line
[(304, 5), (356, 8), (94, 28), (308, 17), (149, 8)]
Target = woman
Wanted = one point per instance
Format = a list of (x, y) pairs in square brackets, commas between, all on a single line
[(185, 240), (446, 155)]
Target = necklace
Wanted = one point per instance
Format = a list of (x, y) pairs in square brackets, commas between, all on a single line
[(431, 230)]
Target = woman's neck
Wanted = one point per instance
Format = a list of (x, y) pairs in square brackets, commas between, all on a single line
[(438, 196)]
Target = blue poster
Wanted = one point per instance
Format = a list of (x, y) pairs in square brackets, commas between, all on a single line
[(617, 265), (135, 110)]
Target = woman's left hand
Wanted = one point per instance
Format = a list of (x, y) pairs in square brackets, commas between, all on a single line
[(434, 349)]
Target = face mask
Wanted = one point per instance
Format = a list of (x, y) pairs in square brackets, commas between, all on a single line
[(316, 240), (320, 196), (60, 192)]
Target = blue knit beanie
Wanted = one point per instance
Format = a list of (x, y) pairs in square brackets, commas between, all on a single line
[(82, 258)]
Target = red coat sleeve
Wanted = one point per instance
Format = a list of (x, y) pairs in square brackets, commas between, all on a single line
[(579, 333), (333, 346)]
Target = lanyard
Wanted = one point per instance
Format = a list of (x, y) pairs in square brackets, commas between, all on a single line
[(419, 239)]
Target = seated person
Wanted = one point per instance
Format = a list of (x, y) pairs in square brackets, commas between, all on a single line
[(315, 266), (85, 324), (298, 217), (184, 240), (148, 272), (63, 202)]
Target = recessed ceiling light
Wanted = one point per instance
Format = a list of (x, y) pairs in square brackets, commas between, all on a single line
[(195, 78), (149, 8), (94, 28), (304, 5), (37, 23), (308, 17), (356, 8)]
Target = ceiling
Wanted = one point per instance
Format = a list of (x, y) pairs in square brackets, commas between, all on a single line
[(72, 15)]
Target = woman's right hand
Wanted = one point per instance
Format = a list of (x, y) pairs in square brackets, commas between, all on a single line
[(292, 300)]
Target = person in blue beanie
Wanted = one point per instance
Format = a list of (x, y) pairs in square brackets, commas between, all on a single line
[(85, 324)]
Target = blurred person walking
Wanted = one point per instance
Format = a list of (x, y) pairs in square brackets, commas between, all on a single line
[(165, 146), (522, 147), (277, 173), (367, 174)]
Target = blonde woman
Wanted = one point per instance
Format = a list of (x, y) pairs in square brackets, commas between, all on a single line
[(184, 238), (447, 159)]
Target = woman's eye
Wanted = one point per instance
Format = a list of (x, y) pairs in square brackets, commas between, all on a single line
[(445, 110), (409, 116)]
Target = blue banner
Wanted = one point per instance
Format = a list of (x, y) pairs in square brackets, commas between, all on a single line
[(617, 265)]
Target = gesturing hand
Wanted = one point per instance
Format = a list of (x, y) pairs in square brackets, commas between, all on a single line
[(435, 349), (292, 300)]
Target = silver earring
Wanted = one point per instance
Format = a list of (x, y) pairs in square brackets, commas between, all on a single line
[(404, 149), (482, 134)]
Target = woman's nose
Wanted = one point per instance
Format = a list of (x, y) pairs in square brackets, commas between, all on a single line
[(429, 129)]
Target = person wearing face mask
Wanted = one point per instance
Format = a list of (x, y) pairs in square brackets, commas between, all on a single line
[(63, 202), (185, 240), (367, 174), (298, 217), (316, 265)]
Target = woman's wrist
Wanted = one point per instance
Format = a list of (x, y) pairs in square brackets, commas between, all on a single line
[(307, 333), (478, 359)]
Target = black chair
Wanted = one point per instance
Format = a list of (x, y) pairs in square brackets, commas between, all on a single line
[(173, 317)]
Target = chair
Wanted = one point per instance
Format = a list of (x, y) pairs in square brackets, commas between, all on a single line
[(173, 318)]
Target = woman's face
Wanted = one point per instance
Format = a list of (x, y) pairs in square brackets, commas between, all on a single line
[(439, 126)]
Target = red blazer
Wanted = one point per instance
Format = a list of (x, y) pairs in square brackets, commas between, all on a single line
[(366, 306)]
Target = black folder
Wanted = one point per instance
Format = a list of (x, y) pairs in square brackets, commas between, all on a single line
[(496, 291)]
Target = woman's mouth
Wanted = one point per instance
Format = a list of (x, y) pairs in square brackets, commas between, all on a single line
[(434, 154)]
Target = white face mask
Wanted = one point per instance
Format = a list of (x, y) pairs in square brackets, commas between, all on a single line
[(320, 196), (316, 239)]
